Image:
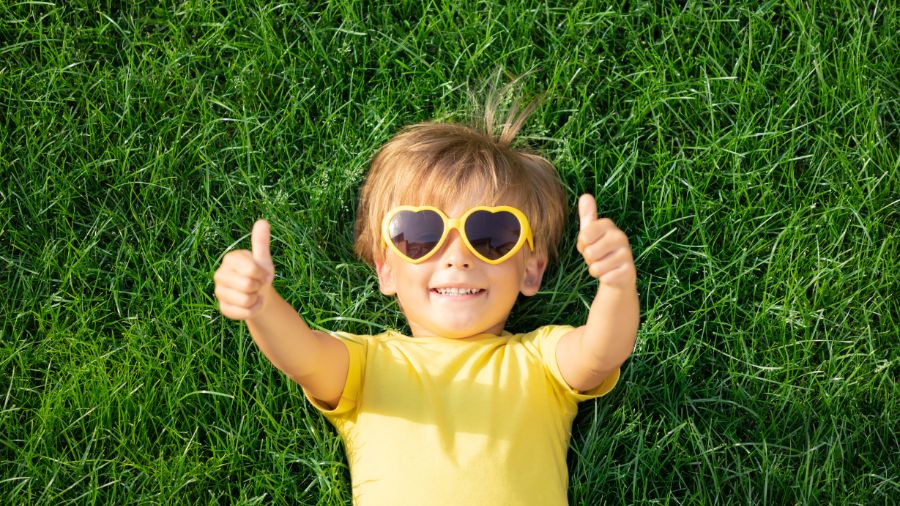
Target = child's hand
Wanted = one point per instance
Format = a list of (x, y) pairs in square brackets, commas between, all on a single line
[(604, 247), (244, 280)]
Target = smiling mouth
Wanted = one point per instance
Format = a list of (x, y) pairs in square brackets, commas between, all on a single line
[(457, 292)]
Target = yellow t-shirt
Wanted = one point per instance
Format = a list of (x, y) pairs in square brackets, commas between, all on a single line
[(428, 420)]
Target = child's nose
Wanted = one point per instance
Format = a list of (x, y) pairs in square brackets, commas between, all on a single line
[(455, 253)]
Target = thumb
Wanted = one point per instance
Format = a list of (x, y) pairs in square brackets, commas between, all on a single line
[(259, 244), (587, 210)]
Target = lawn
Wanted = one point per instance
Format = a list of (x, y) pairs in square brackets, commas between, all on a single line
[(751, 152)]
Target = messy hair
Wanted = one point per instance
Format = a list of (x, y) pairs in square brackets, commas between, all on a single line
[(437, 164)]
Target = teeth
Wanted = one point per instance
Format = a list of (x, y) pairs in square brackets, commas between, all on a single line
[(457, 291)]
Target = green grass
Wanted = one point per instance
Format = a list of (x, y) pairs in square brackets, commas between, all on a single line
[(750, 152)]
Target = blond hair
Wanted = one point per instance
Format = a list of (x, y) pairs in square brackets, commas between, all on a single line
[(441, 163)]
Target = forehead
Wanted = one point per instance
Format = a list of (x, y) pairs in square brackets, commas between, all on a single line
[(455, 207), (448, 198)]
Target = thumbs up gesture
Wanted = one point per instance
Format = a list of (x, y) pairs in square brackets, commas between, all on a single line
[(605, 248), (244, 280)]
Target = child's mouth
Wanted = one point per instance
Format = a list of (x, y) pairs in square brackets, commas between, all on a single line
[(457, 292)]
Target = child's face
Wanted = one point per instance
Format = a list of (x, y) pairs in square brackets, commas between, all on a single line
[(452, 315)]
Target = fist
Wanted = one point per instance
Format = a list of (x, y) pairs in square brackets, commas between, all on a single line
[(244, 280), (605, 248)]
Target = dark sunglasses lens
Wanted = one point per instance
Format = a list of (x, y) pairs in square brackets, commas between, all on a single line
[(493, 235), (415, 234)]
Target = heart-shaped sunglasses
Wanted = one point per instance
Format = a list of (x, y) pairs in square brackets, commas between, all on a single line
[(492, 234)]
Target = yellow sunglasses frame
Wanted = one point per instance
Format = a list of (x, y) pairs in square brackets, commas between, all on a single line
[(459, 225)]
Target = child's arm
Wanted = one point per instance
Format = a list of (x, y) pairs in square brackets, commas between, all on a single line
[(314, 359), (589, 354)]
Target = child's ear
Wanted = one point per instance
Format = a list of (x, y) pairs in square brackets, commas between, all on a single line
[(385, 278), (534, 273)]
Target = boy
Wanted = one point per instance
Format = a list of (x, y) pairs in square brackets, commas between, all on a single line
[(456, 224)]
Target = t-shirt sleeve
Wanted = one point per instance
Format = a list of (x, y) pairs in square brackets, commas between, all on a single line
[(356, 346), (546, 340)]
